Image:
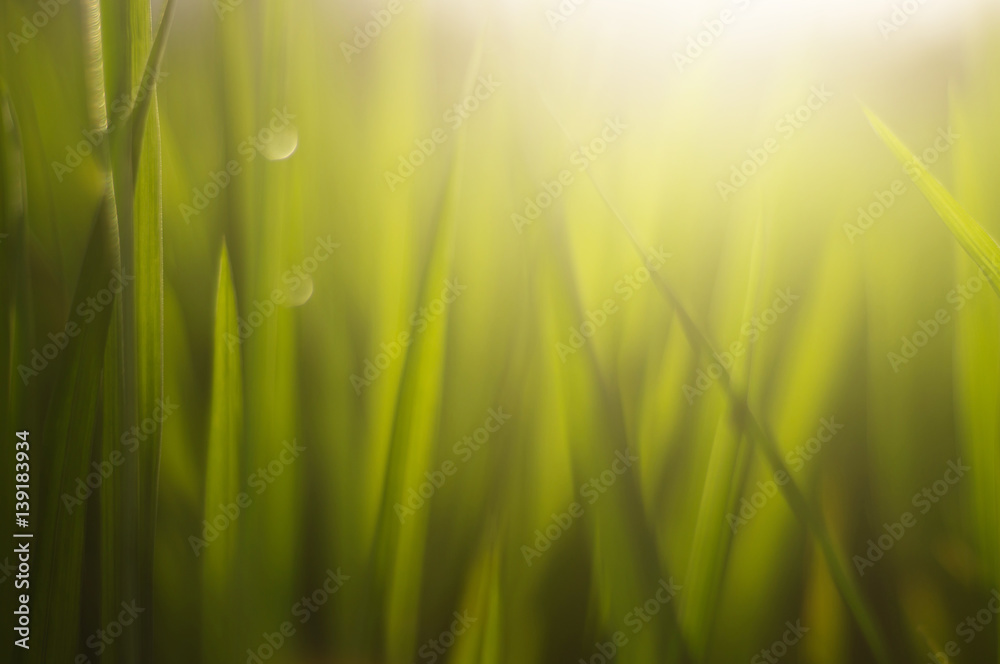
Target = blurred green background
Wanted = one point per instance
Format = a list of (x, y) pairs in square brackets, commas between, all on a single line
[(501, 331)]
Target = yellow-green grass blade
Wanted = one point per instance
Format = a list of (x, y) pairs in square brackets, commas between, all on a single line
[(483, 600), (414, 432), (722, 488), (148, 293), (222, 472), (144, 103), (628, 562), (846, 583), (765, 442), (977, 354), (399, 548), (972, 237), (789, 396), (144, 137)]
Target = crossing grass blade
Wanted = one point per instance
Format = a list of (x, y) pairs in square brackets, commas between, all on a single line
[(131, 62), (722, 487), (145, 108), (972, 237), (593, 402), (765, 443)]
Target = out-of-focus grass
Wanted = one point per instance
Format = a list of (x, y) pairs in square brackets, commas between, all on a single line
[(219, 573), (170, 333)]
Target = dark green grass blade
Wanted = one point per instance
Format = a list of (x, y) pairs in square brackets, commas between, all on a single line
[(14, 306), (71, 414), (114, 551), (131, 59), (67, 441)]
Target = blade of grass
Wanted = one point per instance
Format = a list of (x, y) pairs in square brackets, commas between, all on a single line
[(418, 402), (222, 484), (114, 550), (800, 507), (14, 303), (73, 407), (721, 492), (150, 75), (610, 418), (136, 60), (67, 438), (977, 355), (973, 238)]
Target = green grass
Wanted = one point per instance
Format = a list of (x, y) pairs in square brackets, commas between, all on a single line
[(202, 282)]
